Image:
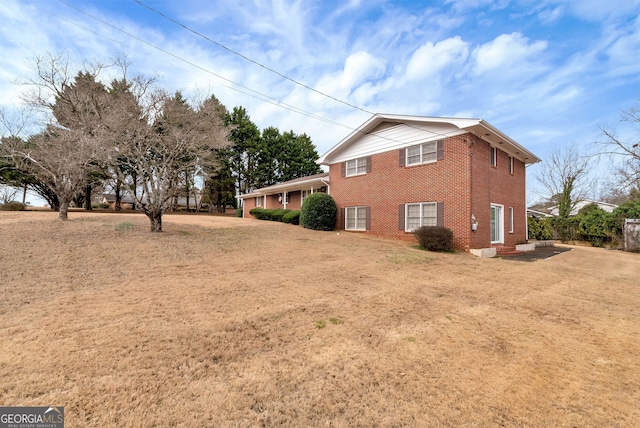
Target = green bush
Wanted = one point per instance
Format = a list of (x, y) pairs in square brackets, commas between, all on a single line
[(292, 217), (258, 213), (318, 212), (239, 212), (269, 214), (540, 228), (277, 214), (101, 205), (596, 226), (13, 206), (434, 238)]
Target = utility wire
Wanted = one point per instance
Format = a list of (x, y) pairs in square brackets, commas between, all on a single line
[(255, 94), (259, 64), (252, 93), (251, 60)]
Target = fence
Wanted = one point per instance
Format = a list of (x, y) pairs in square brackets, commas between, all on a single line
[(632, 234)]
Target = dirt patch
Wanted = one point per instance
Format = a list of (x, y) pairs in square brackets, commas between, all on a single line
[(221, 321)]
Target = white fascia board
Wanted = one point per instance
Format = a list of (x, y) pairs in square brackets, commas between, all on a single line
[(524, 155), (297, 185), (380, 143), (480, 127)]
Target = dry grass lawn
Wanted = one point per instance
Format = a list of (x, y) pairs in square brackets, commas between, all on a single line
[(228, 322)]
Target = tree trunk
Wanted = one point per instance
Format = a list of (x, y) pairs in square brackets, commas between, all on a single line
[(156, 220), (24, 194), (118, 205), (64, 208), (87, 197)]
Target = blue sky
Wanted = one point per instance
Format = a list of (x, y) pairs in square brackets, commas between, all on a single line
[(545, 72)]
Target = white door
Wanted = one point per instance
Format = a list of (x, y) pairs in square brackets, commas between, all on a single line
[(497, 224)]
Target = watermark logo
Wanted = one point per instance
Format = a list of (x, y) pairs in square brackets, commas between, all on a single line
[(31, 417)]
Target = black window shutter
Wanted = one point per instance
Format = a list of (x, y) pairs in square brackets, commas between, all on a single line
[(440, 214), (368, 225), (401, 217), (401, 157), (343, 169), (368, 164), (440, 149), (343, 216)]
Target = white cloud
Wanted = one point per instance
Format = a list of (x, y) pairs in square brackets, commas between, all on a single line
[(507, 53), (430, 59)]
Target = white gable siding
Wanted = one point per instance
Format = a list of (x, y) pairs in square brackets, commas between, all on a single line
[(393, 138)]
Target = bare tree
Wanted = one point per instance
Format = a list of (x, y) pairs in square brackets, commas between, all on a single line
[(627, 150), (161, 136), (67, 152), (565, 177), (60, 157)]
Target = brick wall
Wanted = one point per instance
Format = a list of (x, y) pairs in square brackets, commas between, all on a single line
[(464, 181), (495, 185), (389, 185)]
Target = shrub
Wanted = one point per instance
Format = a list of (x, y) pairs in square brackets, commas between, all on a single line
[(540, 228), (239, 212), (258, 213), (292, 217), (13, 206), (277, 214), (434, 238), (101, 205), (318, 212)]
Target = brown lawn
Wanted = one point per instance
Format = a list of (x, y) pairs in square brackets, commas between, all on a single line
[(228, 322)]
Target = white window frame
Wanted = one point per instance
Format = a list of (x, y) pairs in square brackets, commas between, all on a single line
[(499, 223), (357, 218), (494, 157), (511, 225), (422, 150), (258, 201), (356, 167), (511, 165), (422, 222), (304, 194)]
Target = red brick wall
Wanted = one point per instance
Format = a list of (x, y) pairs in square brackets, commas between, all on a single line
[(388, 185), (464, 181), (495, 185), (273, 202)]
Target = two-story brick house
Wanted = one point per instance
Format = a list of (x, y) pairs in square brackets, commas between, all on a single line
[(395, 173)]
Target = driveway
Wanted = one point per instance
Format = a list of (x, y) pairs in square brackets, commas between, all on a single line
[(540, 253)]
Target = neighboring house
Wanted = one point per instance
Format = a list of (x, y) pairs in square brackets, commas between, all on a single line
[(396, 173), (126, 201), (537, 214), (554, 211)]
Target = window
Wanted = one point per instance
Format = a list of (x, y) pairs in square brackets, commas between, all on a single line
[(355, 218), (283, 198), (422, 214), (356, 167), (304, 195), (510, 219), (422, 153), (258, 201), (494, 157), (511, 165)]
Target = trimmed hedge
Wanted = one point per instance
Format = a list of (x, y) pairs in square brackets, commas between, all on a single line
[(434, 238), (269, 214), (292, 217), (319, 212)]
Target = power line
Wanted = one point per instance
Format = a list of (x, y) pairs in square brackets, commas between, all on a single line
[(254, 94), (259, 64), (258, 95)]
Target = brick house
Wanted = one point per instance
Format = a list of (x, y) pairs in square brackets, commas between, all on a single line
[(395, 173)]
